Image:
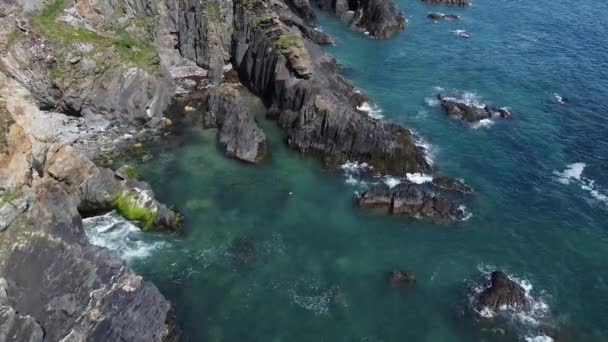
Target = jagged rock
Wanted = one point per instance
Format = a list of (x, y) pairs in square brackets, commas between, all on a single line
[(9, 211), (400, 278), (461, 3), (239, 135), (502, 292), (318, 114), (408, 199), (453, 185), (470, 110), (17, 327), (380, 18), (113, 304)]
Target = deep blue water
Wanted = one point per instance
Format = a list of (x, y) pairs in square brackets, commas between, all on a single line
[(317, 268)]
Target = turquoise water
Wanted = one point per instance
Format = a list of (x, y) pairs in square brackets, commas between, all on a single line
[(316, 268)]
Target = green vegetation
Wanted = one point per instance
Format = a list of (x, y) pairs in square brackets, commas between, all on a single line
[(131, 172), (8, 196), (256, 21), (129, 204), (5, 122), (286, 42), (131, 48)]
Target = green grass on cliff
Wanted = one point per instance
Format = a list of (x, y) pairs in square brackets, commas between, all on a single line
[(286, 42), (130, 48)]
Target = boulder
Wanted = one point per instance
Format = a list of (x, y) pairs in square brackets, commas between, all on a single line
[(439, 16), (501, 293), (240, 136), (17, 327)]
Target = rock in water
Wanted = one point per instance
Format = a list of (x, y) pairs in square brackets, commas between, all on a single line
[(439, 16), (380, 18), (399, 278), (428, 201), (461, 3), (239, 136), (502, 293), (470, 110)]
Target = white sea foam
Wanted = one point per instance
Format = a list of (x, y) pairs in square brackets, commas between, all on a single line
[(540, 338), (482, 123), (112, 231), (573, 174), (391, 182), (529, 319), (353, 172), (419, 178), (429, 150), (432, 101), (560, 99), (466, 215), (373, 111)]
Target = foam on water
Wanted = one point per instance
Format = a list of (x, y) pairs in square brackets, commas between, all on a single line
[(482, 123), (391, 182), (419, 178), (573, 174), (540, 338), (373, 111), (354, 171), (527, 321), (112, 231)]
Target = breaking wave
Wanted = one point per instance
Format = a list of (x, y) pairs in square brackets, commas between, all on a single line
[(372, 110), (573, 174), (526, 321), (117, 234)]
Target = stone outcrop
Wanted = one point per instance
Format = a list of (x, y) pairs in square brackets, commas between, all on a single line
[(461, 3), (428, 200), (239, 135), (502, 293), (379, 18), (315, 107), (470, 110)]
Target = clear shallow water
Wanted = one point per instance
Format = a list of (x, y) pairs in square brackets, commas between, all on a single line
[(316, 272)]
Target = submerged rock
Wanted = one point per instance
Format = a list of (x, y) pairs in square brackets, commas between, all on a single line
[(502, 292), (461, 3), (243, 252), (470, 110), (439, 16), (427, 201), (400, 278)]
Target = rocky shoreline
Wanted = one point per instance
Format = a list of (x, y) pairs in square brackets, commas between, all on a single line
[(82, 78)]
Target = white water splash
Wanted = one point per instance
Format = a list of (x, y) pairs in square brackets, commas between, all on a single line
[(573, 174), (353, 171), (419, 178), (540, 338), (391, 182), (482, 123), (529, 319), (117, 234), (373, 111), (466, 215)]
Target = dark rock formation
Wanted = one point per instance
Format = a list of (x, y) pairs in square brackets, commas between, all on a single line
[(470, 110), (461, 3), (239, 136), (439, 16), (313, 104), (381, 18), (427, 200), (400, 278), (502, 293)]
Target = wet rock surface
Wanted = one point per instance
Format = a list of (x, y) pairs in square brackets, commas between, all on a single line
[(435, 202), (502, 292), (469, 110)]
